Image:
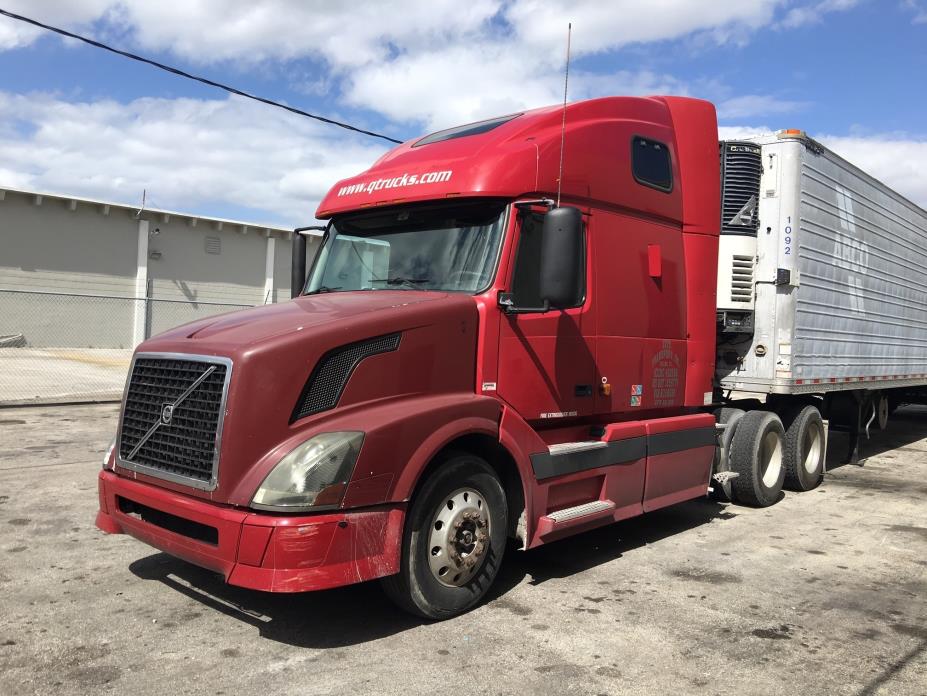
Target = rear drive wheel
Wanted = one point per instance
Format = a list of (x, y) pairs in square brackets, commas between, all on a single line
[(453, 541), (804, 449), (756, 455), (721, 490)]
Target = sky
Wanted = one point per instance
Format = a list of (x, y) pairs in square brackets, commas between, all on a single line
[(80, 121)]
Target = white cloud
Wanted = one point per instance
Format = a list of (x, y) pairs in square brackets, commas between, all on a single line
[(814, 13), (446, 64), (72, 13), (750, 105), (187, 153), (351, 34), (897, 161), (919, 10), (741, 132), (599, 26), (209, 31)]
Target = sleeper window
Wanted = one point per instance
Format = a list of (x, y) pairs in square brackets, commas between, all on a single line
[(650, 163)]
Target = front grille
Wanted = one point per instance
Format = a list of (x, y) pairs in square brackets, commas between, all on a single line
[(741, 278), (741, 169), (330, 376), (177, 421)]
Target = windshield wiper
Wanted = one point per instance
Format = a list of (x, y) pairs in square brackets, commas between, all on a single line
[(401, 280), (322, 289)]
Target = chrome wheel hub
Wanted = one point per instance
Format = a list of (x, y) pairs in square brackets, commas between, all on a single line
[(770, 458), (459, 537), (813, 446)]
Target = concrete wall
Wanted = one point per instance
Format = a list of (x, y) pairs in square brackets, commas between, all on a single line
[(193, 267), (180, 268), (51, 247)]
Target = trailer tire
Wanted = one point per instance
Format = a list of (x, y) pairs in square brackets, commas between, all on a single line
[(444, 573), (730, 417), (803, 449), (756, 455), (883, 410)]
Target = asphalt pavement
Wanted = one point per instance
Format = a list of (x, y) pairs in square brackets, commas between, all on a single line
[(824, 593)]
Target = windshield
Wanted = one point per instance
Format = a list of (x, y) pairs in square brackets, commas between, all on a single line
[(429, 248)]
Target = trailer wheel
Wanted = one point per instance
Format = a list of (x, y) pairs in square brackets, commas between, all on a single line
[(756, 455), (721, 490), (454, 539), (883, 410), (804, 449)]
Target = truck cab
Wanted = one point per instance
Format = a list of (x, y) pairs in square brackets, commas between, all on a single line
[(508, 333)]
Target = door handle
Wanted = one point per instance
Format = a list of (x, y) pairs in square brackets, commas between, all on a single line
[(654, 261)]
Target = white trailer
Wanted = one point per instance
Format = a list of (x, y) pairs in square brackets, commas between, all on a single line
[(822, 284)]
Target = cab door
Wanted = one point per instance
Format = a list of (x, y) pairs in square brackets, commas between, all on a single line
[(547, 368)]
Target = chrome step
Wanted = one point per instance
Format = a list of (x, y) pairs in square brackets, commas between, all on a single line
[(573, 447), (584, 510), (724, 476)]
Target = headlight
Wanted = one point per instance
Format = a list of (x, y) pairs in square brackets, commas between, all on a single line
[(312, 475), (109, 453)]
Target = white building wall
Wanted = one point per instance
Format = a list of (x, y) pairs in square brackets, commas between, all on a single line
[(71, 271), (52, 247)]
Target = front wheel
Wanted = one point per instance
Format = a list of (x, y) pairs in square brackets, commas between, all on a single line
[(453, 541)]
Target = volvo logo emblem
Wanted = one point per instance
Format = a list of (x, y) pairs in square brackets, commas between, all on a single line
[(167, 412)]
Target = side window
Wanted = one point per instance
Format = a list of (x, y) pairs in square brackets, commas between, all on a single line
[(650, 163), (526, 280)]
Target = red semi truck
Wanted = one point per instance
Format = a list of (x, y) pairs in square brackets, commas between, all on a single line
[(510, 334)]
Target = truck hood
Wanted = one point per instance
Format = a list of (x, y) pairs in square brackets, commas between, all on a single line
[(274, 349), (259, 324)]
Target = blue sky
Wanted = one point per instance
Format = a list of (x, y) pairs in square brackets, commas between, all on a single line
[(74, 119)]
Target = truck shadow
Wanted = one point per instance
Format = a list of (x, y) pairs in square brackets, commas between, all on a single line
[(579, 553), (324, 619), (906, 426), (361, 613)]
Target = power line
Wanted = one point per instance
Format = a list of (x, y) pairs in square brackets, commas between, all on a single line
[(205, 81)]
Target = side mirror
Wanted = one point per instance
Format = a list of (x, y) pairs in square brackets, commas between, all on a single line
[(298, 265), (298, 260), (561, 256)]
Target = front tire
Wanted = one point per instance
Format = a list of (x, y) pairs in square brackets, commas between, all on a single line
[(454, 540)]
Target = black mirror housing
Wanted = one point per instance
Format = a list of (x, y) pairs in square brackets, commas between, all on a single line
[(298, 265), (561, 256)]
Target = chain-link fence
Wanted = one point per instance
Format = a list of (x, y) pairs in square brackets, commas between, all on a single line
[(59, 347)]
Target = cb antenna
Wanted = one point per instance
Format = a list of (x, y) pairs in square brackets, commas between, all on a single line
[(566, 82), (142, 209)]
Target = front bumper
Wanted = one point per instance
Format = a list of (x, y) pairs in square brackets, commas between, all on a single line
[(257, 551)]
